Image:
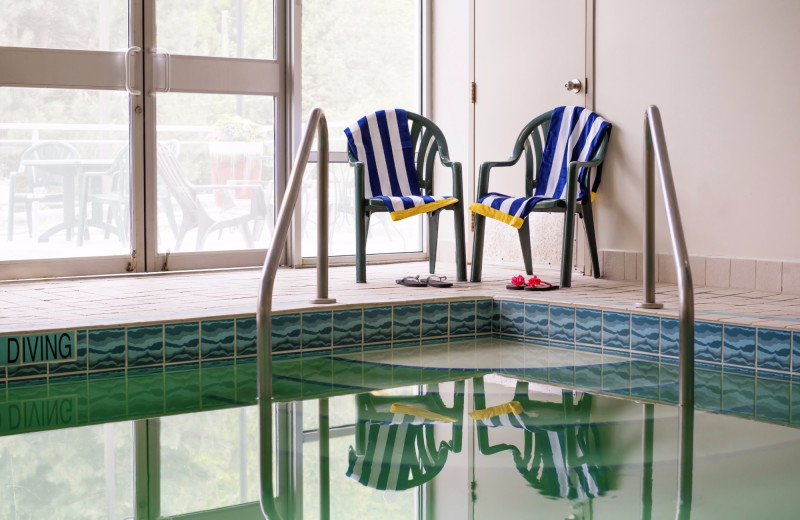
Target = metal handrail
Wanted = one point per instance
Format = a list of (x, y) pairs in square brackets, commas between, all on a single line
[(655, 150), (264, 313)]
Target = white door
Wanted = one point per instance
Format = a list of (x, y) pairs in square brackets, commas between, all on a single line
[(525, 50)]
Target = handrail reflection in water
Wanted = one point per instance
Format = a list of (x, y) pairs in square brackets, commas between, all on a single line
[(264, 313)]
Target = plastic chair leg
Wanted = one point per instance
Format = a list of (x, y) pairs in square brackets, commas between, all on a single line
[(477, 248), (433, 239), (461, 255), (588, 224), (525, 243)]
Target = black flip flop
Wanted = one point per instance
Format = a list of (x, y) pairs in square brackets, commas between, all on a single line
[(412, 281), (512, 287), (542, 286), (435, 280)]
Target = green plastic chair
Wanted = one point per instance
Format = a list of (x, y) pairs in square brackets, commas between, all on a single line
[(531, 142), (427, 139)]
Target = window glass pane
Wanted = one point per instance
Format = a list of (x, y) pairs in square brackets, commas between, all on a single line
[(215, 172), (84, 25), (213, 451), (384, 236), (223, 28), (359, 56), (63, 168), (82, 472)]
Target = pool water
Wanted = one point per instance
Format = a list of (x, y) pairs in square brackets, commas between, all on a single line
[(462, 430)]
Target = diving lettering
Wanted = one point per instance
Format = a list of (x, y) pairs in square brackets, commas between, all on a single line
[(37, 348)]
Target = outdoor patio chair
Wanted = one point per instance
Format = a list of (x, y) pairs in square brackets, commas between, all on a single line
[(46, 174), (394, 172), (195, 215), (560, 147), (109, 204)]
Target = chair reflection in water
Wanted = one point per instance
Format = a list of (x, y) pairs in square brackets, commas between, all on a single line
[(197, 215), (561, 455), (46, 175), (395, 444)]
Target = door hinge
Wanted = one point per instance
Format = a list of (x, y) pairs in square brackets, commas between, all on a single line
[(473, 89)]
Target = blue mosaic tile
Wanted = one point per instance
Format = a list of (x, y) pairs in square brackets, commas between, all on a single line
[(795, 351), (106, 349), (512, 318), (217, 385), (645, 332), (616, 329), (562, 375), (181, 389), (246, 336), (377, 324), (562, 323), (483, 316), (107, 399), (435, 318), (496, 315), (708, 341), (317, 329), (37, 370), (462, 317), (589, 326), (617, 377), (738, 394), (772, 400), (145, 395), (644, 380), (567, 345), (285, 332), (795, 412), (181, 342), (670, 332), (589, 377), (588, 348), (774, 349), (348, 326), (217, 339), (145, 345), (668, 383), (708, 389), (80, 364), (740, 346), (536, 320)]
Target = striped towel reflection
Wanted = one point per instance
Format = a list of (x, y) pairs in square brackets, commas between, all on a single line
[(382, 142), (574, 135)]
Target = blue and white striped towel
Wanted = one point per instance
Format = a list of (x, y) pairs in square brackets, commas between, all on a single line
[(382, 142), (574, 135)]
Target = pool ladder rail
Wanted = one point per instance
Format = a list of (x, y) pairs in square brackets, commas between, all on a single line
[(316, 121), (655, 151)]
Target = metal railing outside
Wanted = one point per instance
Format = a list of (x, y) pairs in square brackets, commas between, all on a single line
[(655, 151), (264, 312)]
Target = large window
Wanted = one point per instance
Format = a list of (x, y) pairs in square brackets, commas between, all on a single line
[(149, 135), (358, 56)]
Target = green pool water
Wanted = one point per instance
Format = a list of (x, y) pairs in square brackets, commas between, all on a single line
[(183, 443)]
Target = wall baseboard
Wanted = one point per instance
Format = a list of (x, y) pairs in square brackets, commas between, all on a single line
[(750, 274)]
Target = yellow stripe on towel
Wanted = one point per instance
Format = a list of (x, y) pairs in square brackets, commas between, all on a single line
[(493, 411), (487, 211), (420, 412), (416, 210)]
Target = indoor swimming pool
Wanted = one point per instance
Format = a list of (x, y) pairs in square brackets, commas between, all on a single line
[(481, 428)]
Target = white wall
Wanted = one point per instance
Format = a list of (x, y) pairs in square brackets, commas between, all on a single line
[(724, 75)]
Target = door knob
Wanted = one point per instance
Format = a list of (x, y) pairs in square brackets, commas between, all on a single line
[(573, 85)]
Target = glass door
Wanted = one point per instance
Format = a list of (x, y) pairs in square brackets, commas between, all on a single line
[(66, 121), (214, 83)]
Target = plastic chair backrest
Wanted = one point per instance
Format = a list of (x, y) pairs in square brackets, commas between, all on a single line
[(50, 175)]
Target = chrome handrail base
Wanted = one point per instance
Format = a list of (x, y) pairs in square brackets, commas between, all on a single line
[(322, 301), (649, 305)]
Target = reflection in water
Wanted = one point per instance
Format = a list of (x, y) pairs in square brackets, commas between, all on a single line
[(561, 457), (395, 444)]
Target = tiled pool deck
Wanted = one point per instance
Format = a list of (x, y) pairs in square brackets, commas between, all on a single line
[(28, 306), (175, 319)]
